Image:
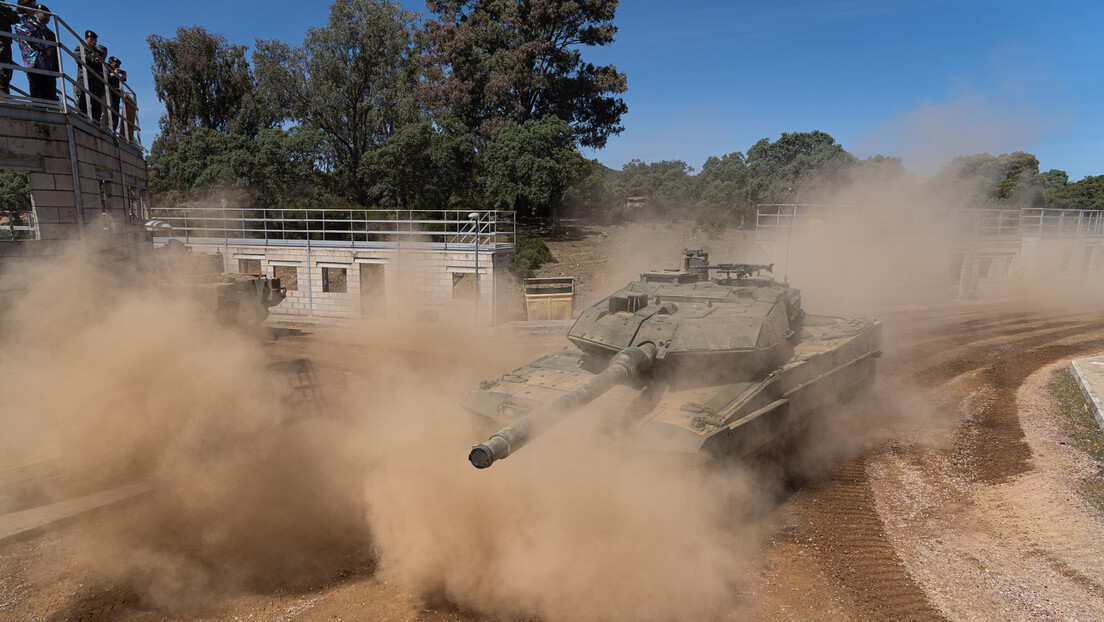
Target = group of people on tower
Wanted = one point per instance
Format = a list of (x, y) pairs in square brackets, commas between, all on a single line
[(99, 76)]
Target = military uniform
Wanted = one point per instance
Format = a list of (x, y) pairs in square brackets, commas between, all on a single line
[(95, 64), (8, 18)]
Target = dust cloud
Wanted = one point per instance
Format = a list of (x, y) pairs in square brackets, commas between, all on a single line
[(572, 527), (119, 382), (128, 382)]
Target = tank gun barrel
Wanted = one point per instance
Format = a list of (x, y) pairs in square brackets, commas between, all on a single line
[(627, 363)]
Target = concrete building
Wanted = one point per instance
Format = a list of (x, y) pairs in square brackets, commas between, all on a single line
[(86, 177), (427, 265)]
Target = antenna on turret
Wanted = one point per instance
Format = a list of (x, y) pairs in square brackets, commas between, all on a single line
[(789, 234)]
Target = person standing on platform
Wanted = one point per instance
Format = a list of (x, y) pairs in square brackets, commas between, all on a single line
[(8, 18), (114, 94), (40, 55), (93, 66), (130, 110)]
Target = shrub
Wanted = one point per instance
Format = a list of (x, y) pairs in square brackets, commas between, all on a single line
[(529, 254)]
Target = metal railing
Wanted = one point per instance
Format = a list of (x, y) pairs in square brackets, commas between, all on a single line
[(18, 226), (119, 104), (775, 221), (339, 228), (1039, 222)]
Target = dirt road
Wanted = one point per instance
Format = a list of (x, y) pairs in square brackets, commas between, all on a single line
[(961, 505)]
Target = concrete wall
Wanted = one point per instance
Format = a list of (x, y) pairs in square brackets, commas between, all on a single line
[(424, 284), (68, 162)]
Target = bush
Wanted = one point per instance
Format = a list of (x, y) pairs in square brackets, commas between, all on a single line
[(529, 254)]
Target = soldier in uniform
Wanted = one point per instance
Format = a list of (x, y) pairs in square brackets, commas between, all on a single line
[(93, 60), (115, 94), (8, 18)]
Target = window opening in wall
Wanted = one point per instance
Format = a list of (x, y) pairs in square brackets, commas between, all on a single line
[(335, 280), (288, 275), (372, 300), (463, 286), (985, 264), (1087, 261), (249, 266), (17, 214), (103, 197), (136, 208)]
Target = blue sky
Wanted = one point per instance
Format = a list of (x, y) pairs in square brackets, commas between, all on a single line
[(921, 79)]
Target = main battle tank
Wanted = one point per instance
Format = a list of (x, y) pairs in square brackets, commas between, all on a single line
[(235, 299), (684, 362)]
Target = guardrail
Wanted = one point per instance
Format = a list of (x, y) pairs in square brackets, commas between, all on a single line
[(18, 226), (1040, 222), (776, 221), (338, 228), (119, 104)]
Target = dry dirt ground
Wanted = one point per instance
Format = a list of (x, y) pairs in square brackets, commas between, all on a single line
[(971, 510)]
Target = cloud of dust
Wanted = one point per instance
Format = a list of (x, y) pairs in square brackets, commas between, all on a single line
[(143, 383), (572, 527), (968, 121), (122, 381)]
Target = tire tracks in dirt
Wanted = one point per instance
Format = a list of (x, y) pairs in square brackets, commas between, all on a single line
[(840, 519)]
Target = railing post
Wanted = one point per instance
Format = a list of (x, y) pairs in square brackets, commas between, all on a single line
[(60, 67)]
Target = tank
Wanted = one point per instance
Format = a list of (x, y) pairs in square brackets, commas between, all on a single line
[(719, 359), (235, 299)]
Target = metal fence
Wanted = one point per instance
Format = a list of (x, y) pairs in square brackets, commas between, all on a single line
[(18, 226), (118, 105), (775, 221), (1062, 222), (338, 228)]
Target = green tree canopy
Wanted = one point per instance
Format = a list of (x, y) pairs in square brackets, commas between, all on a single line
[(530, 166), (355, 80), (15, 191), (505, 62), (1087, 193), (423, 167), (276, 168), (203, 81), (796, 162), (1008, 179), (666, 185)]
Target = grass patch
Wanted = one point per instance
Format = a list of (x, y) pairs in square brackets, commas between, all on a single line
[(1083, 431)]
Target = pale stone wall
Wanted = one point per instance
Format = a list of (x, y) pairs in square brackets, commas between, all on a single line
[(418, 283), (67, 203)]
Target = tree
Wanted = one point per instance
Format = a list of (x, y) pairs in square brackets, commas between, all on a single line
[(504, 62), (15, 191), (1007, 179), (276, 168), (423, 167), (723, 183), (1085, 194), (530, 166), (355, 80), (801, 161), (202, 80), (666, 185), (1055, 179)]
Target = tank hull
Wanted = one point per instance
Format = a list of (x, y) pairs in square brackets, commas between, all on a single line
[(725, 412)]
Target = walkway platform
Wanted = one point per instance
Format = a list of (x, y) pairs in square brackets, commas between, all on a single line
[(18, 524), (1089, 375)]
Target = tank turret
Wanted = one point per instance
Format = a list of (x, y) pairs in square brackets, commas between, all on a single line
[(728, 357)]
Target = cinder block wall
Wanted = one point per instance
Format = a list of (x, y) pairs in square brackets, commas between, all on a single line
[(416, 283), (67, 199)]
